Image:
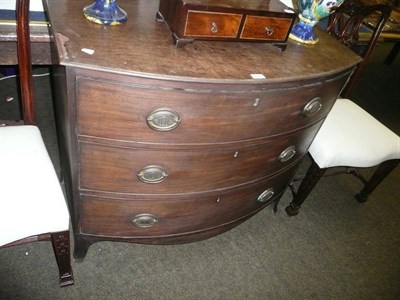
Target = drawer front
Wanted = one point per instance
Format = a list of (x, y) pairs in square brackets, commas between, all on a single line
[(169, 171), (212, 24), (266, 28), (116, 111), (176, 214)]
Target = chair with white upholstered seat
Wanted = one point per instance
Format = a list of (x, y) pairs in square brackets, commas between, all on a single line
[(350, 137), (32, 203)]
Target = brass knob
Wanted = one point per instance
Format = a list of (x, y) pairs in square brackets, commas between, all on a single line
[(269, 31), (163, 119), (144, 220), (312, 107), (287, 154), (266, 195), (214, 27), (152, 174)]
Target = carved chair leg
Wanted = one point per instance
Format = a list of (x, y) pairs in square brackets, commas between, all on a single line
[(381, 172), (61, 247), (312, 177)]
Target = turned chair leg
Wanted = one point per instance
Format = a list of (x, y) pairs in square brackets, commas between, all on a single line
[(312, 177), (381, 172), (61, 247)]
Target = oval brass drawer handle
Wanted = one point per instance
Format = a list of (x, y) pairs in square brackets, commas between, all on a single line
[(266, 195), (312, 107), (144, 220), (287, 154), (163, 119), (152, 174)]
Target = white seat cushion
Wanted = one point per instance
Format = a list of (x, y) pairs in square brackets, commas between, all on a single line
[(31, 198), (34, 5), (352, 137)]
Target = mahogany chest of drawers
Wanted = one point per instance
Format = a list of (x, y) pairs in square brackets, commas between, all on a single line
[(227, 20), (166, 145)]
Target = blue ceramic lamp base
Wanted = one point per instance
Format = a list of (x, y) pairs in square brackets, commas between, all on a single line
[(303, 32), (311, 12), (106, 12)]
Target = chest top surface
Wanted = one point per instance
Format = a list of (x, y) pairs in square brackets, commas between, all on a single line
[(143, 47)]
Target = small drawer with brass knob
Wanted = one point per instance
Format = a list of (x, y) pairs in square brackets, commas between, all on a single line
[(266, 28), (212, 24)]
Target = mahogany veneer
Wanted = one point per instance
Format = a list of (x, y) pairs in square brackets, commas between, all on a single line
[(169, 145)]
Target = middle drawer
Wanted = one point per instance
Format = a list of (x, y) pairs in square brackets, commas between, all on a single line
[(170, 171)]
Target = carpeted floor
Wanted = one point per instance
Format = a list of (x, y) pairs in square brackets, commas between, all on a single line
[(335, 248)]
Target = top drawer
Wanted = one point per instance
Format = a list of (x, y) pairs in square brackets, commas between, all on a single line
[(148, 114)]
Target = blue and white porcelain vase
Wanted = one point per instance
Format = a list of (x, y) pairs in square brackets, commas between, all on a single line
[(106, 12), (310, 13)]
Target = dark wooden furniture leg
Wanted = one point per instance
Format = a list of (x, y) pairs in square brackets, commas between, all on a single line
[(393, 53), (81, 248), (61, 247), (383, 170), (312, 177)]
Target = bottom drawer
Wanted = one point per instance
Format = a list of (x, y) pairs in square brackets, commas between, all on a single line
[(163, 215)]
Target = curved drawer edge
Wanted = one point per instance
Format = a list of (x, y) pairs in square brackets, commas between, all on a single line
[(186, 237)]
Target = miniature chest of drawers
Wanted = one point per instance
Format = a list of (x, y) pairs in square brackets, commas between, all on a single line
[(166, 145), (228, 20)]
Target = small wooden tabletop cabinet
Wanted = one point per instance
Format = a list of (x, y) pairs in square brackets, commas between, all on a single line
[(229, 20), (166, 145)]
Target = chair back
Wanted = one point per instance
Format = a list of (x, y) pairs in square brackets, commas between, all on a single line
[(358, 27), (25, 63)]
